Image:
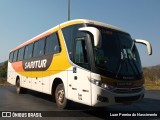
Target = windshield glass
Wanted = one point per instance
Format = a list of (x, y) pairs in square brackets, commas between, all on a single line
[(117, 54)]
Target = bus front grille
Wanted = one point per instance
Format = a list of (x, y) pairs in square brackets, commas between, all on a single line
[(127, 99), (127, 90)]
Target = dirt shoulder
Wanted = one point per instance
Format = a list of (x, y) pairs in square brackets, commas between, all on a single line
[(3, 82)]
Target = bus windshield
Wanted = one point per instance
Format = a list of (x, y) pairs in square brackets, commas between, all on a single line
[(117, 54)]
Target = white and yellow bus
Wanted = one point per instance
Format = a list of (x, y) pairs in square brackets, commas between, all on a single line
[(84, 61)]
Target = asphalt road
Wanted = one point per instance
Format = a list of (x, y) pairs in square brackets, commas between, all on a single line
[(34, 101)]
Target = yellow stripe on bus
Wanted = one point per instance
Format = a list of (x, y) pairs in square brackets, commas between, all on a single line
[(59, 63)]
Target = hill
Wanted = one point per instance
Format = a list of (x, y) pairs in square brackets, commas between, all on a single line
[(152, 77), (155, 67)]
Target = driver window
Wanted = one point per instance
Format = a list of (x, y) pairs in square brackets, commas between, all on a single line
[(81, 52)]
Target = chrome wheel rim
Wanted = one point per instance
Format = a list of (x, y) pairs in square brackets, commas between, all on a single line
[(60, 96)]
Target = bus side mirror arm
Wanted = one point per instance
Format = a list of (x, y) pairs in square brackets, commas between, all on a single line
[(96, 35), (149, 47)]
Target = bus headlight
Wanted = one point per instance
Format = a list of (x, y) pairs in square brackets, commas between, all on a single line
[(96, 82), (102, 85)]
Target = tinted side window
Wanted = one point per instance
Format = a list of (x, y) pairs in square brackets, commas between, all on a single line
[(39, 48), (20, 54), (11, 57), (81, 52), (52, 44), (15, 56), (28, 51)]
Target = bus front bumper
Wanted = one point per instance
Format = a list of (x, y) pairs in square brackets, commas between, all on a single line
[(102, 97)]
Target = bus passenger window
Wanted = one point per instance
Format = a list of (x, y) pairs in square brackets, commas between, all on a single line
[(28, 51), (11, 57), (52, 44), (20, 54), (39, 48), (15, 56)]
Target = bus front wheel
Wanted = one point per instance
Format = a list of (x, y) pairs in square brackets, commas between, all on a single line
[(60, 98)]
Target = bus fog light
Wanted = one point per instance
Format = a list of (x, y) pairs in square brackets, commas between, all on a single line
[(109, 87), (102, 98)]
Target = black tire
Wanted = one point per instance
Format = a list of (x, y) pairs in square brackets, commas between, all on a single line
[(60, 98), (19, 89)]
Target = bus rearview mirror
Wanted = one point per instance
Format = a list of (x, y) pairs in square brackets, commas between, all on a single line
[(96, 35), (149, 47)]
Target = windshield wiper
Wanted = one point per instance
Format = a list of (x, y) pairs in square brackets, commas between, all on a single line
[(132, 47), (129, 61), (121, 62), (119, 68), (133, 44)]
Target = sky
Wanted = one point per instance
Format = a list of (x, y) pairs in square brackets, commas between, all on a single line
[(21, 20)]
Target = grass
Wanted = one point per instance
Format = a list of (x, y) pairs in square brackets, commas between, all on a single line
[(152, 85)]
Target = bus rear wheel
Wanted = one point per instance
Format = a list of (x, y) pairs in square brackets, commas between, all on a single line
[(19, 89), (60, 98)]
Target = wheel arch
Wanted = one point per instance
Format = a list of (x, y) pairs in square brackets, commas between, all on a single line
[(55, 83), (17, 78)]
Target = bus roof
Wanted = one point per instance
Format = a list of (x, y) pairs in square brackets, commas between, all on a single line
[(91, 22), (65, 24)]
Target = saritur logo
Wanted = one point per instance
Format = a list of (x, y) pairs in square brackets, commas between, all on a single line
[(37, 64)]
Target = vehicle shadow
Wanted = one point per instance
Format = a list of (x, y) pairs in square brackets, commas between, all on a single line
[(147, 105), (72, 105)]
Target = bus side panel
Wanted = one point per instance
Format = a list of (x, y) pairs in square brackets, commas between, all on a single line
[(46, 84), (27, 82), (36, 82), (79, 86), (11, 74)]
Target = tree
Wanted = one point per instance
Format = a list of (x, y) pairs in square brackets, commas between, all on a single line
[(3, 69)]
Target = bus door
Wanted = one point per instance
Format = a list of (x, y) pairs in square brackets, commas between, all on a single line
[(78, 78)]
